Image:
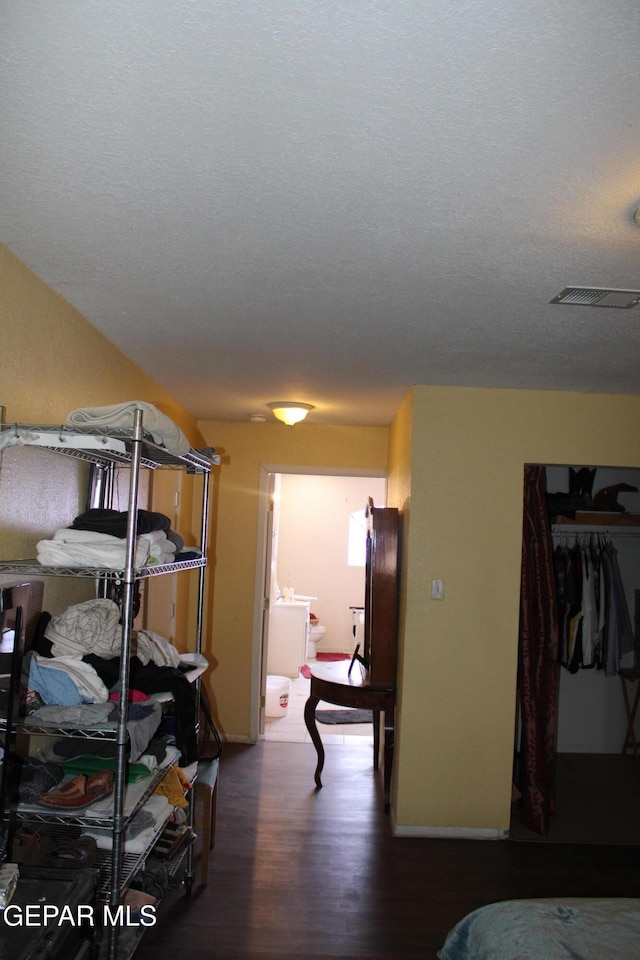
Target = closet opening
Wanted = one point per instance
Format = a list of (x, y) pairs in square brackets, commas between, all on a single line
[(576, 778)]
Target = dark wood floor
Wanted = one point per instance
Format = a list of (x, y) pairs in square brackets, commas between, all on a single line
[(310, 875), (598, 800)]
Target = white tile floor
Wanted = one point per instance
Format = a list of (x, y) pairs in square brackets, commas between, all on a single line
[(292, 727)]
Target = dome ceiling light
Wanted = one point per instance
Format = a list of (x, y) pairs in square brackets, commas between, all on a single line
[(290, 411)]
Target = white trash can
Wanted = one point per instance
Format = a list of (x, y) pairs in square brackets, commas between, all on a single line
[(277, 699)]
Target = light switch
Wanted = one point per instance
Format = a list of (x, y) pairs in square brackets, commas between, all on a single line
[(437, 589)]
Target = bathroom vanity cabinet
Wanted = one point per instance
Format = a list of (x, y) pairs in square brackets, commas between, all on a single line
[(288, 637)]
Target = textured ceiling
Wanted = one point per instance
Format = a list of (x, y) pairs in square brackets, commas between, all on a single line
[(330, 201)]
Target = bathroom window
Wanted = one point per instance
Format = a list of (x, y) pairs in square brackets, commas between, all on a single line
[(357, 552)]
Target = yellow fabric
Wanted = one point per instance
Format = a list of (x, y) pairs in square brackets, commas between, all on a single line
[(174, 786)]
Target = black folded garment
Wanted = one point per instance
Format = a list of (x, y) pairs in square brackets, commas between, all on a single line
[(68, 748), (152, 678), (114, 522)]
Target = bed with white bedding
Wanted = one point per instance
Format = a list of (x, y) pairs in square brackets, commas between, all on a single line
[(548, 929)]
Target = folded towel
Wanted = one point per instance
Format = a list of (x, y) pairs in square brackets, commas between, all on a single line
[(140, 831), (120, 415), (156, 536), (161, 548), (86, 548)]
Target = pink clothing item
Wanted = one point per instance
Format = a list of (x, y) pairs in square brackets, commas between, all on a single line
[(134, 696)]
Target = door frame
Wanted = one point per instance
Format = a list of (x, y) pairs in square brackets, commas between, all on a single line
[(262, 583)]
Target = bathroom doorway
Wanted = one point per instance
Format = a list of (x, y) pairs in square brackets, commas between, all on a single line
[(306, 517)]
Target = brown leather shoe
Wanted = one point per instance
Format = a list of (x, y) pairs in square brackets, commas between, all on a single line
[(99, 785), (79, 792), (71, 794)]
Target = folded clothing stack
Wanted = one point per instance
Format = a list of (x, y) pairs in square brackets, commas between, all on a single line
[(65, 680), (97, 538), (86, 548), (150, 525)]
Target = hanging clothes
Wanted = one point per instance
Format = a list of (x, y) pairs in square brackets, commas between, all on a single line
[(590, 614), (618, 629), (569, 584), (594, 619)]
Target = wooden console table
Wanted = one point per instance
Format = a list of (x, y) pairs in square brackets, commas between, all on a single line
[(332, 683)]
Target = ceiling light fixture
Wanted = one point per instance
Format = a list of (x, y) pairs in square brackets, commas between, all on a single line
[(290, 411)]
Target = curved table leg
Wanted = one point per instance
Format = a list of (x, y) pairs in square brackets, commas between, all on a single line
[(310, 721)]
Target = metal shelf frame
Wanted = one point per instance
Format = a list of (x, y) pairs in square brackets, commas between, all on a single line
[(136, 450), (104, 446), (31, 568)]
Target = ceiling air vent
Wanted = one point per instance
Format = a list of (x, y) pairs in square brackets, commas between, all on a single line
[(598, 297)]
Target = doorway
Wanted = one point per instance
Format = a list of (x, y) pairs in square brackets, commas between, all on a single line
[(306, 516), (597, 782)]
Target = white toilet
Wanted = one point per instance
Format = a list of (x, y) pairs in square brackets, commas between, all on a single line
[(316, 635)]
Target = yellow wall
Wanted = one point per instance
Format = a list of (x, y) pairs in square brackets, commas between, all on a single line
[(52, 361), (455, 461), (458, 656), (234, 541)]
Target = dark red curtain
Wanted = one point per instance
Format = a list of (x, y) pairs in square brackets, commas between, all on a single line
[(538, 667)]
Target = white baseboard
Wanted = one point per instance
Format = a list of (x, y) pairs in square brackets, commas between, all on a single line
[(237, 738), (451, 833)]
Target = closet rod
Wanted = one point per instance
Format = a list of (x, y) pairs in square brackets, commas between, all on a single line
[(601, 531)]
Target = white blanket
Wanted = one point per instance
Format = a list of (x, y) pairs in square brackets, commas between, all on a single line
[(87, 548), (120, 415)]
